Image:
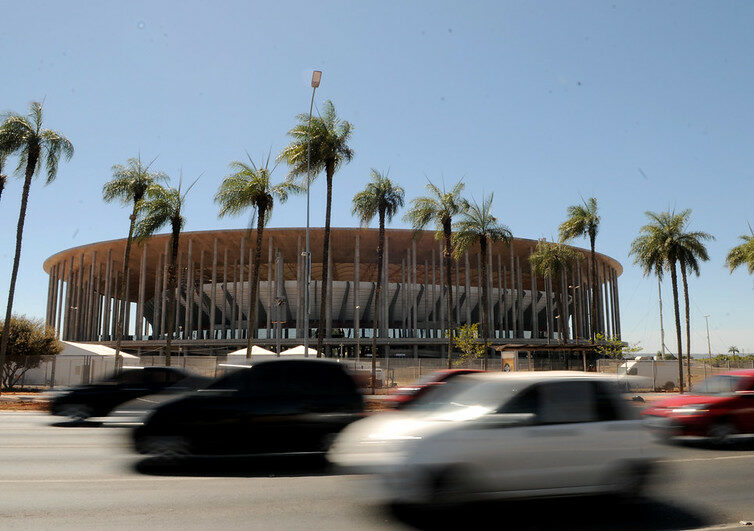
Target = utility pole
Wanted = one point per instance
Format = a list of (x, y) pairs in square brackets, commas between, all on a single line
[(709, 348)]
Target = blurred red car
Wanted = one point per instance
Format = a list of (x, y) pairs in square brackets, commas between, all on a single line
[(718, 408), (406, 395)]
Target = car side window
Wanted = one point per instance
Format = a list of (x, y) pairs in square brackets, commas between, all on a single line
[(132, 377), (567, 402), (527, 401), (172, 377), (268, 379), (608, 403)]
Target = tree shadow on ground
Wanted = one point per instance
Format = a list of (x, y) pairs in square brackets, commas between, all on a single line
[(583, 513), (265, 466)]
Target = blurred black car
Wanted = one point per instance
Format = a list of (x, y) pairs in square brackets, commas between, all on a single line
[(99, 399), (273, 407)]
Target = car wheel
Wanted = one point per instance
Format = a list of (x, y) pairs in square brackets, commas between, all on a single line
[(449, 486), (167, 448), (76, 412), (721, 432), (630, 481), (326, 442)]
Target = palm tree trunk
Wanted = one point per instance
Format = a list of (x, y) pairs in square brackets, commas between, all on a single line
[(31, 164), (171, 291), (251, 328), (485, 319), (330, 171), (447, 257), (688, 324), (561, 309), (122, 294), (592, 319), (674, 278), (377, 292), (3, 178)]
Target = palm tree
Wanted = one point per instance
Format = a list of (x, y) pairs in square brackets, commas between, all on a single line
[(733, 350), (552, 260), (691, 250), (663, 244), (742, 254), (381, 197), (3, 177), (163, 206), (322, 144), (128, 186), (583, 221), (478, 226), (24, 135), (439, 208), (249, 186)]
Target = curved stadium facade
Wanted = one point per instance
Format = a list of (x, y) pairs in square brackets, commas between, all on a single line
[(213, 272)]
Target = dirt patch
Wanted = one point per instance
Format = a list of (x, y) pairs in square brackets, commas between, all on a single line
[(17, 405)]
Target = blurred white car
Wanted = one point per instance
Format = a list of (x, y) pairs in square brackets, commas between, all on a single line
[(502, 435)]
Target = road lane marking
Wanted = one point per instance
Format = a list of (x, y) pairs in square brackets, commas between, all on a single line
[(110, 480), (706, 458)]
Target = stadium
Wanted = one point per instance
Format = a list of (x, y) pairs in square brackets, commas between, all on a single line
[(213, 273)]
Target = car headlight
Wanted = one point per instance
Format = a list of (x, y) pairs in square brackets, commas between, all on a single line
[(691, 409)]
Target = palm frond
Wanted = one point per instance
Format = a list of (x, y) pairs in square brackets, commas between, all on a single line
[(477, 222), (380, 196)]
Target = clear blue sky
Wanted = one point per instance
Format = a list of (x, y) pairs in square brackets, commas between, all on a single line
[(645, 105)]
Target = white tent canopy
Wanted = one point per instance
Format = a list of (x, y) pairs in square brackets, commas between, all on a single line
[(85, 349), (255, 351), (299, 351)]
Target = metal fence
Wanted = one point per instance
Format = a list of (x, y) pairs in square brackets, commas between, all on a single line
[(45, 372)]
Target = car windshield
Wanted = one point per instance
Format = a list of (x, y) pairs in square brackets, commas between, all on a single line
[(717, 385), (465, 392)]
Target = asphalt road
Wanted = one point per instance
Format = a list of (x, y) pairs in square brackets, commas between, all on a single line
[(86, 477)]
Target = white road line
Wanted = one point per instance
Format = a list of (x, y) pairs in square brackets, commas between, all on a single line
[(706, 458), (111, 480)]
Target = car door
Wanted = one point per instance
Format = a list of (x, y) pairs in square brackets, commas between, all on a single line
[(553, 452), (744, 405), (272, 408)]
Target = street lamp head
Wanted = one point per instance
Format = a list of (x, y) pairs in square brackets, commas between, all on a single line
[(316, 77)]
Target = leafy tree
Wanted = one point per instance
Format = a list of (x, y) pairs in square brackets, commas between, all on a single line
[(128, 186), (249, 186), (467, 341), (613, 347), (323, 143), (733, 350), (664, 243), (24, 135), (478, 226), (742, 254), (552, 260), (583, 221), (28, 341), (439, 207), (382, 198), (164, 206)]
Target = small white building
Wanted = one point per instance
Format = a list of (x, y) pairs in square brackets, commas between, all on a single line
[(77, 363)]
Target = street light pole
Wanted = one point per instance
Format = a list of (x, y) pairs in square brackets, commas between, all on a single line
[(709, 347), (316, 77)]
